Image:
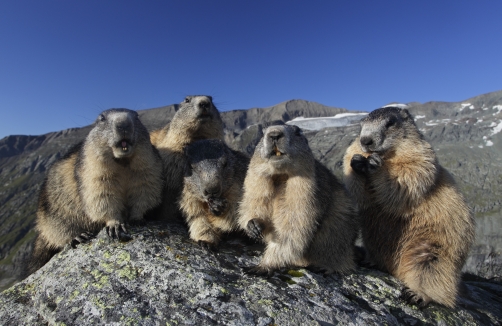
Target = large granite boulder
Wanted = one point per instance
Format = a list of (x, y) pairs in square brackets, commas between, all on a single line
[(160, 277)]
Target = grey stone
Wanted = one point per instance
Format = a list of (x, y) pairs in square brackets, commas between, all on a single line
[(160, 277)]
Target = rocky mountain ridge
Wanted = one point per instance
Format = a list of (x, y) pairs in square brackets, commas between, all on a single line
[(466, 136)]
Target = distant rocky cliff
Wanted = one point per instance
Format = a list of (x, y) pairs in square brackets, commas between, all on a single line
[(466, 135)]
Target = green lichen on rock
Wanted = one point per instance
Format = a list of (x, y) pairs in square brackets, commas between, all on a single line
[(294, 273), (128, 272), (123, 257), (74, 294)]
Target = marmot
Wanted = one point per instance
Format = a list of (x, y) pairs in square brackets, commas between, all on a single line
[(415, 223), (212, 189), (197, 118), (297, 206), (114, 176)]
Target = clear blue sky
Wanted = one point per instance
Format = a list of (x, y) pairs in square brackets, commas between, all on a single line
[(62, 62)]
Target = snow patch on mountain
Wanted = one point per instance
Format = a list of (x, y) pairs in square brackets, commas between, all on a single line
[(498, 108), (497, 128), (339, 120), (397, 105)]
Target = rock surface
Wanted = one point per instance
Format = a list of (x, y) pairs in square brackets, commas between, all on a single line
[(160, 277)]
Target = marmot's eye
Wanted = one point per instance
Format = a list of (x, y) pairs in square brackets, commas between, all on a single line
[(390, 123), (187, 100), (102, 117)]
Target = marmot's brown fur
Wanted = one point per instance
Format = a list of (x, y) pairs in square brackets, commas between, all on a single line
[(113, 177), (197, 118), (212, 190), (299, 209), (415, 223)]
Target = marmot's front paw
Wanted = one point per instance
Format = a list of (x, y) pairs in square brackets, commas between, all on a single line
[(207, 245), (375, 161), (217, 206), (117, 230), (359, 164), (258, 271), (82, 238), (254, 230), (412, 297)]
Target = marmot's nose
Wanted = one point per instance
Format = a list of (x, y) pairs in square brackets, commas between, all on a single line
[(366, 141), (124, 126), (204, 106), (213, 190), (275, 134)]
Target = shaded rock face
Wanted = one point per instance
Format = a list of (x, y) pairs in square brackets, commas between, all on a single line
[(162, 278)]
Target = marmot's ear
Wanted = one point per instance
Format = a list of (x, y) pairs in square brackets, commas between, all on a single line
[(298, 131), (406, 114), (187, 169)]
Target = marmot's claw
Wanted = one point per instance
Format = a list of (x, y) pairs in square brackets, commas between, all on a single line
[(254, 229), (375, 161), (82, 238), (258, 271), (110, 231), (411, 297), (207, 245), (118, 231), (217, 206)]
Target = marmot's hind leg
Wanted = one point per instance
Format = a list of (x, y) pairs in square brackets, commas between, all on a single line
[(204, 233), (427, 276)]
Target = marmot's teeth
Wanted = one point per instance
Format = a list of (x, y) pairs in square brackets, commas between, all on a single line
[(124, 149)]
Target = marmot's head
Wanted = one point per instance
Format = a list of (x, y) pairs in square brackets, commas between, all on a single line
[(210, 170), (198, 115), (383, 127), (117, 130), (284, 147)]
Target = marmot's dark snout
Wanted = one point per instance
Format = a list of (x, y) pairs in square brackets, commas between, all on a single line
[(275, 135)]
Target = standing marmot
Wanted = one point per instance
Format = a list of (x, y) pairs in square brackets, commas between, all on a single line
[(299, 208), (212, 190), (114, 176), (416, 225), (197, 118)]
